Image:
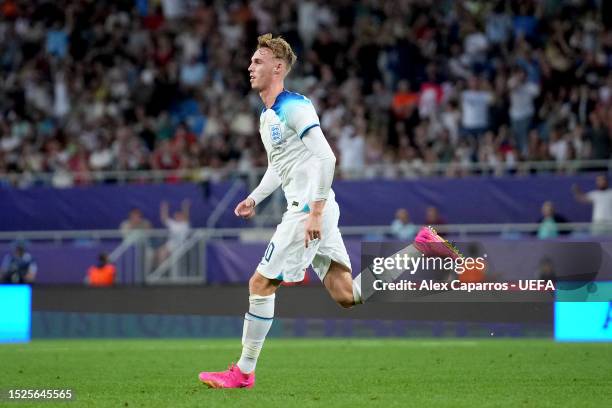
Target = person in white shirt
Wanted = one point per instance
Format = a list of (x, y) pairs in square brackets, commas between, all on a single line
[(475, 44), (601, 199), (475, 103), (522, 96), (178, 228), (352, 151)]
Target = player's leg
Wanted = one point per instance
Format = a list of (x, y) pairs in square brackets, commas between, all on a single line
[(341, 286), (257, 323), (281, 262), (258, 320), (332, 264)]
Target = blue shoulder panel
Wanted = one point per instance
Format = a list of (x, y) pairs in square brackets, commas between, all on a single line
[(284, 100)]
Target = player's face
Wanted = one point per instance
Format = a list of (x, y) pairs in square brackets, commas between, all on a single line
[(261, 70)]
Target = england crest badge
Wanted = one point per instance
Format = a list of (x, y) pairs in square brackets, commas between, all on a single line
[(275, 134)]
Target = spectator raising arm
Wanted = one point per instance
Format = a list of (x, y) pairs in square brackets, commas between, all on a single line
[(579, 195)]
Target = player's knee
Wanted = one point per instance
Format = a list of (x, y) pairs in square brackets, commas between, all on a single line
[(260, 285), (345, 299), (255, 284), (346, 303)]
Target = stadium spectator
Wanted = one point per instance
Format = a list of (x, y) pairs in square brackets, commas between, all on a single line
[(601, 199), (599, 136), (135, 228), (405, 101), (91, 86), (402, 228), (178, 228), (433, 217), (351, 145), (476, 274), (18, 266), (102, 274), (475, 103), (559, 146), (549, 222), (522, 109), (134, 223)]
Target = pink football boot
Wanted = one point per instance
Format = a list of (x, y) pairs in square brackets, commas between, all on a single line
[(433, 245), (232, 378)]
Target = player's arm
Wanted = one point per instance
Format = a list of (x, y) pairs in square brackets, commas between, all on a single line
[(270, 182), (315, 142)]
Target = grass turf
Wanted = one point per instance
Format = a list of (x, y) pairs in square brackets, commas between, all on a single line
[(306, 372)]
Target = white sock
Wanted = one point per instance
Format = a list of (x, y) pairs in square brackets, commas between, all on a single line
[(357, 290), (257, 323), (390, 276)]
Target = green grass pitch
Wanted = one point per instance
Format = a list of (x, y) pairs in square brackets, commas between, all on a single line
[(308, 372)]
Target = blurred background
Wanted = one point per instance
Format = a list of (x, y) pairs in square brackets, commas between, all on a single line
[(128, 133)]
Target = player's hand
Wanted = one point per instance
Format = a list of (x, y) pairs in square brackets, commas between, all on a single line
[(313, 228), (246, 208)]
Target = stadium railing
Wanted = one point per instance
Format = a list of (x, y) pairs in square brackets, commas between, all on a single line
[(397, 170), (134, 254)]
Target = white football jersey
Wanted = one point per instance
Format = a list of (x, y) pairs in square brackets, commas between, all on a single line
[(282, 128)]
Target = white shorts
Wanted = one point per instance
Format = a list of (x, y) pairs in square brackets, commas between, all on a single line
[(286, 257)]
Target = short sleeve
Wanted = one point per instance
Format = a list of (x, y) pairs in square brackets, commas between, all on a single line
[(301, 116)]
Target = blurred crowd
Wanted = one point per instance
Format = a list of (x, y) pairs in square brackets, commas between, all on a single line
[(93, 85)]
